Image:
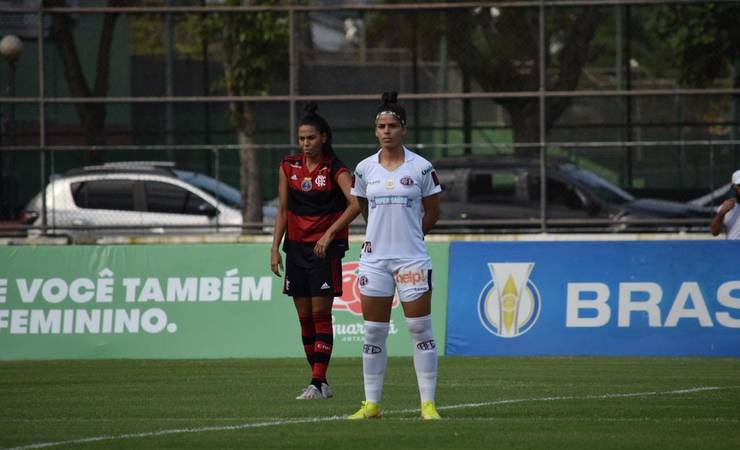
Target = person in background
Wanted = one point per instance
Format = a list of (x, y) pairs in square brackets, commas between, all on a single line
[(313, 216), (728, 213), (398, 193)]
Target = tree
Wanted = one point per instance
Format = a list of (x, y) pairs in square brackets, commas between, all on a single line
[(255, 53), (92, 115), (705, 38), (499, 49), (253, 48), (705, 42)]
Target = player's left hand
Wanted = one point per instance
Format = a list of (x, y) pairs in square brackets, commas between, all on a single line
[(320, 248), (727, 205)]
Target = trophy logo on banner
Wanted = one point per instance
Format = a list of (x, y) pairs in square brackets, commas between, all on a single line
[(509, 304)]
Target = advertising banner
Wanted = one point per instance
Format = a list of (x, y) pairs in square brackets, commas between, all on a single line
[(168, 301), (594, 298)]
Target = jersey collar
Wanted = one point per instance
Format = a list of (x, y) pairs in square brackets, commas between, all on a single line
[(324, 162), (408, 155)]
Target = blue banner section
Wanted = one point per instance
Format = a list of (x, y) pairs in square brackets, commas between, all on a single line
[(594, 298)]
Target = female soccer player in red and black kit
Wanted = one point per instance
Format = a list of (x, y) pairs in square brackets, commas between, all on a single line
[(315, 208)]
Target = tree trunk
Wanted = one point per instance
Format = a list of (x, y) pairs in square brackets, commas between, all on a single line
[(92, 115), (524, 117), (483, 51), (249, 165)]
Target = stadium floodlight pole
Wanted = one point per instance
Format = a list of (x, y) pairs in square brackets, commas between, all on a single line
[(543, 156), (42, 115), (169, 75), (735, 74), (11, 48)]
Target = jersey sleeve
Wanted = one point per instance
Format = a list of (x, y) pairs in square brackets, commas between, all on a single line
[(359, 183), (282, 167), (285, 164), (429, 181), (338, 168)]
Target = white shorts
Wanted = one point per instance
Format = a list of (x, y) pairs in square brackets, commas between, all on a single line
[(410, 277)]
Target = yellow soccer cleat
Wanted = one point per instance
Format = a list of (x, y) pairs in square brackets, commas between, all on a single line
[(368, 410), (429, 411)]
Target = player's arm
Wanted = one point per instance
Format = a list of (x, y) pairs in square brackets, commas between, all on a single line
[(344, 180), (431, 212), (359, 190), (718, 223), (281, 222), (362, 201)]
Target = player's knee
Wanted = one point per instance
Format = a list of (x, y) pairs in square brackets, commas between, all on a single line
[(420, 328), (376, 332)]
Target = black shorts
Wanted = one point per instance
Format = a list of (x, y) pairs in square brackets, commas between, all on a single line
[(320, 278)]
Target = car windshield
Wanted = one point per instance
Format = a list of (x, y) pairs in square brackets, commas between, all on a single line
[(600, 187), (222, 191), (714, 198)]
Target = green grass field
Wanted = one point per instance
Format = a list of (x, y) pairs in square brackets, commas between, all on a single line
[(492, 403)]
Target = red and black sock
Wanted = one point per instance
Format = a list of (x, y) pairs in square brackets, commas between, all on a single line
[(308, 335), (323, 346)]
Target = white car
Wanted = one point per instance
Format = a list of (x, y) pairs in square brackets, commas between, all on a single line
[(133, 199)]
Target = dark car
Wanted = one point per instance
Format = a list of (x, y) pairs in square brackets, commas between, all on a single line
[(714, 199), (507, 189)]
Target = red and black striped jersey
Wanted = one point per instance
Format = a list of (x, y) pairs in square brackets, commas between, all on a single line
[(315, 201)]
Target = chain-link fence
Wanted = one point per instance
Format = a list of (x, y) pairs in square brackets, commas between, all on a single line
[(627, 108)]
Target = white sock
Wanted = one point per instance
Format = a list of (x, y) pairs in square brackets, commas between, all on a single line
[(374, 359), (425, 355)]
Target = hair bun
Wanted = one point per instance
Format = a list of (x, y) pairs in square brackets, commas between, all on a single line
[(390, 98), (311, 108)]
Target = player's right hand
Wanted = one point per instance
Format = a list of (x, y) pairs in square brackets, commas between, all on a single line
[(276, 263)]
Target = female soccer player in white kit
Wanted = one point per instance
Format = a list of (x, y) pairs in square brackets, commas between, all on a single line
[(398, 194)]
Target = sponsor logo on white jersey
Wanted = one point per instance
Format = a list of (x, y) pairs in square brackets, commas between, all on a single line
[(390, 200), (411, 277)]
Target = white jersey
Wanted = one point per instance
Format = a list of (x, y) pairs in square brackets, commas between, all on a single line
[(732, 222), (394, 205)]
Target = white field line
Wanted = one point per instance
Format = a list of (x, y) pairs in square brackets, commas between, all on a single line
[(580, 397), (278, 422), (502, 419), (179, 431)]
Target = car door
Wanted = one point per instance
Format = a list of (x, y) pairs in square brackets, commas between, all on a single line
[(565, 201), (100, 204), (171, 207), (499, 193)]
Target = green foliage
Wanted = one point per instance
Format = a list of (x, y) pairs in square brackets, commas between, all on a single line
[(704, 39), (396, 30), (646, 47), (149, 35), (498, 47), (254, 47)]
